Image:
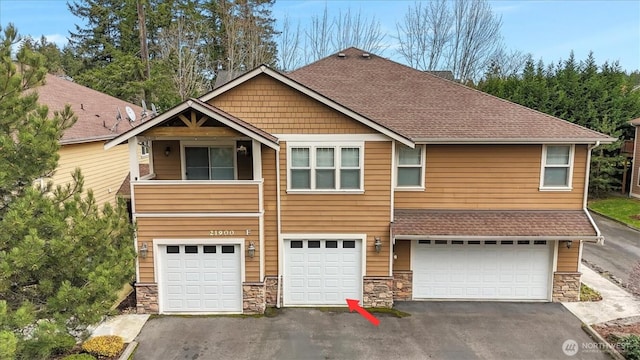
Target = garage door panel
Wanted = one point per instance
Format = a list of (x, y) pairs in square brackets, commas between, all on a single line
[(481, 271), (197, 278), (322, 272)]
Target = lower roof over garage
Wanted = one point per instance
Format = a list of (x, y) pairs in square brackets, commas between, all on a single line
[(533, 224)]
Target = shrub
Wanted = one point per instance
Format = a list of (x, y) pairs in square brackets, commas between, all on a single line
[(79, 357), (107, 345), (48, 339), (631, 347)]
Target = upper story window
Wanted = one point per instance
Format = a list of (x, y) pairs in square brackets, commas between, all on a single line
[(557, 167), (325, 167), (410, 164), (209, 163)]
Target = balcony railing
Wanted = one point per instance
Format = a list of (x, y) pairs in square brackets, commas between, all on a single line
[(169, 196)]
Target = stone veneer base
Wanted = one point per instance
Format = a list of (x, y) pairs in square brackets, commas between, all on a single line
[(377, 292), (566, 286), (147, 298), (253, 298), (402, 285)]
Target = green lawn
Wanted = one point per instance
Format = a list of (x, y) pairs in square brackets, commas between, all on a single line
[(622, 209)]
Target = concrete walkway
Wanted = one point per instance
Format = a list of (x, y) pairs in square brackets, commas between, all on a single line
[(126, 326), (616, 303)]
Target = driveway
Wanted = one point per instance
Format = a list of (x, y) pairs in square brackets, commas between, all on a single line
[(435, 330), (620, 252)]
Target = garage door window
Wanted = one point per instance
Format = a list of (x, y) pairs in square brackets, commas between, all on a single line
[(173, 249)]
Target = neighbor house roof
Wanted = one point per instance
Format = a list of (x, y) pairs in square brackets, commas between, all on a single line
[(96, 111), (635, 122), (125, 188), (541, 224), (428, 108)]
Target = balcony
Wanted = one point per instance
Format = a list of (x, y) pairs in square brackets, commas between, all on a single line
[(189, 196)]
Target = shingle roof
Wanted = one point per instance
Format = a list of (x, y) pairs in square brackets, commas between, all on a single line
[(96, 111), (427, 107), (542, 223), (125, 188), (635, 122)]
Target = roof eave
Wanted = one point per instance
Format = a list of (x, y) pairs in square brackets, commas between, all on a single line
[(85, 140), (590, 238), (177, 110), (511, 141)]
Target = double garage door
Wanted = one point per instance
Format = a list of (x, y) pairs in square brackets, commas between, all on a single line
[(489, 270), (200, 278), (322, 272)]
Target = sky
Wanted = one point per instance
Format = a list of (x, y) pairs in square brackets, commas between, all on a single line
[(549, 30)]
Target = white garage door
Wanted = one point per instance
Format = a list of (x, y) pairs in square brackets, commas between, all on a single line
[(502, 270), (322, 272), (200, 278)]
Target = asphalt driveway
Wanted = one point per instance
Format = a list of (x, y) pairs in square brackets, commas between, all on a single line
[(620, 252), (435, 330)]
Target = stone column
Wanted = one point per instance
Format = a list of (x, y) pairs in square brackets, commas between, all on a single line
[(271, 291), (566, 286), (253, 298), (147, 298), (378, 292), (402, 285)]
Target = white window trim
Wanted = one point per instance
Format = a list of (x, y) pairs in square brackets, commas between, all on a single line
[(543, 165), (423, 157), (337, 162), (145, 148), (207, 144)]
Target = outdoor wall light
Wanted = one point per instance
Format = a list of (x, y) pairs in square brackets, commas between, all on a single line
[(167, 151), (569, 243), (378, 245), (252, 250), (144, 250)]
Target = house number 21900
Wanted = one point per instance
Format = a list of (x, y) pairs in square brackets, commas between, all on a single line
[(221, 232)]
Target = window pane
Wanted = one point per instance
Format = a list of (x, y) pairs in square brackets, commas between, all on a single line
[(300, 157), (350, 157), (314, 244), (197, 163), (556, 176), (409, 176), (300, 179), (408, 156), (558, 155), (324, 157), (350, 179), (222, 173), (221, 157), (325, 179)]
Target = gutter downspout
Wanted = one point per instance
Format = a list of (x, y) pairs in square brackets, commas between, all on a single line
[(600, 238), (279, 228)]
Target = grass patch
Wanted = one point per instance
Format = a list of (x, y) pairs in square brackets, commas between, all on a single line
[(588, 294), (622, 209)]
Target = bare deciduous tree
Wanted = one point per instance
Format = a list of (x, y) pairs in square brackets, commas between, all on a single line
[(181, 47), (460, 36), (327, 35), (289, 54), (504, 64)]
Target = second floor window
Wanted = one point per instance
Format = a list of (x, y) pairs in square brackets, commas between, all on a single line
[(210, 163), (410, 166), (325, 168), (557, 163)]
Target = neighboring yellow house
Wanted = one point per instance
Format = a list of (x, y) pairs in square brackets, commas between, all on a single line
[(356, 177), (82, 146)]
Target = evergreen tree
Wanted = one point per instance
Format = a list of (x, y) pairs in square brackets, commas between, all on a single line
[(62, 260)]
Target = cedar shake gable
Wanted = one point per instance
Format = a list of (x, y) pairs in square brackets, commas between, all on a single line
[(428, 108), (96, 111), (547, 224)]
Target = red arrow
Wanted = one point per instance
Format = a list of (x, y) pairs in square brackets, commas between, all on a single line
[(353, 305)]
